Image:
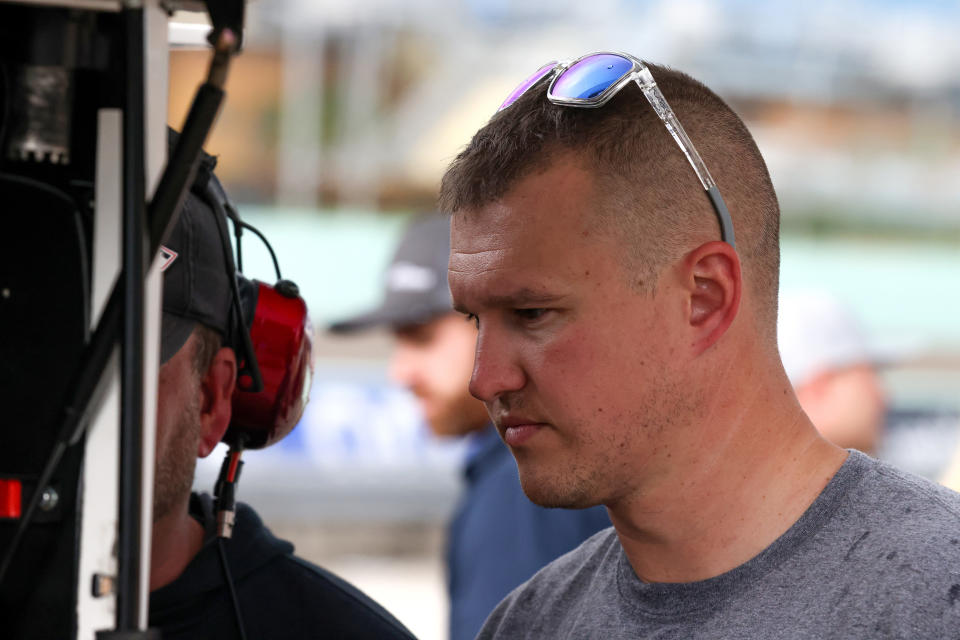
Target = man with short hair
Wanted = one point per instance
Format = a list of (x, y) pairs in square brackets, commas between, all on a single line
[(628, 356), (498, 538), (277, 594)]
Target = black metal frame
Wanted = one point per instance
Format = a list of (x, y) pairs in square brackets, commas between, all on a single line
[(144, 228)]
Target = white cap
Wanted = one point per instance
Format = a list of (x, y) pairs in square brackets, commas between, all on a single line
[(817, 332)]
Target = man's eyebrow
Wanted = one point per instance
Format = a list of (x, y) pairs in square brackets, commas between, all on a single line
[(523, 297)]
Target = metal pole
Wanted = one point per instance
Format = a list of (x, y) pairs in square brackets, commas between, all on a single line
[(134, 252)]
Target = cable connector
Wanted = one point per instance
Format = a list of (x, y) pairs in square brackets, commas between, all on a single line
[(225, 520), (225, 491)]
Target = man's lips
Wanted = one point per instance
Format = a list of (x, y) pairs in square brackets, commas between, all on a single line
[(517, 430)]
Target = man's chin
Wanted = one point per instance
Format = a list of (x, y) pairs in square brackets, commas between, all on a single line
[(554, 495)]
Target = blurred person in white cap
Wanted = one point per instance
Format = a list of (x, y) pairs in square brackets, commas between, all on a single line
[(498, 538), (832, 369)]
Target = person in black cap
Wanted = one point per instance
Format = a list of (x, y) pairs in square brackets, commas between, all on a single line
[(498, 538), (278, 594)]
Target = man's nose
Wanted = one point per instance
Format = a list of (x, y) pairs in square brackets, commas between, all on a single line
[(496, 368)]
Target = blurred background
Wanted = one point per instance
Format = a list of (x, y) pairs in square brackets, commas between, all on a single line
[(342, 115)]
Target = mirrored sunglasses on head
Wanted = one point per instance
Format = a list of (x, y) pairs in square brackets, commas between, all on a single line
[(592, 80)]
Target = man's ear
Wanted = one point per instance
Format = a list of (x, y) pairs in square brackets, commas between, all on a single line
[(714, 284), (217, 393)]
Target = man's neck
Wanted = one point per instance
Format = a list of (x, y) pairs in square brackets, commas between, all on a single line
[(177, 538), (733, 501)]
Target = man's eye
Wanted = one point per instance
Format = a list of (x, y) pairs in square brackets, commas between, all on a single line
[(529, 315)]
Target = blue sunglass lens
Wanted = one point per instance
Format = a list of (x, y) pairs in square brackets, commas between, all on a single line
[(591, 76), (533, 79)]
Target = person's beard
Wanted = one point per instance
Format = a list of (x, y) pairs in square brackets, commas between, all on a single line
[(173, 476)]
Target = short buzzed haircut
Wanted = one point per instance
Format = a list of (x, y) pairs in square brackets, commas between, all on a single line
[(647, 190)]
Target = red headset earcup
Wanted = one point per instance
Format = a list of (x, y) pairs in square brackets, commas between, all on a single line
[(282, 341)]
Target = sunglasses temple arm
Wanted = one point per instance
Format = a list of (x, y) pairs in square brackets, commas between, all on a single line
[(723, 216), (662, 107)]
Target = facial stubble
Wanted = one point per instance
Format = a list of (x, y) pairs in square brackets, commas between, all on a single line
[(173, 476)]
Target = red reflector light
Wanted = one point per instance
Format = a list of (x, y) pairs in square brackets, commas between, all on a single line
[(11, 492)]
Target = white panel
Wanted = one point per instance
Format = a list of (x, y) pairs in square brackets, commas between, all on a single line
[(95, 5), (101, 472), (107, 227), (156, 63), (98, 532), (156, 83)]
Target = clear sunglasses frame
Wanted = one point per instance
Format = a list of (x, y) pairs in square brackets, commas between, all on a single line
[(640, 74)]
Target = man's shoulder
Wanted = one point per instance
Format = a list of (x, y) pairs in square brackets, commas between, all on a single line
[(903, 516), (281, 595), (887, 562), (574, 571), (345, 610), (940, 498), (302, 594), (898, 501), (559, 586)]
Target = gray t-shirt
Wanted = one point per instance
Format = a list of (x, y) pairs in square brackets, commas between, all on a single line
[(877, 555)]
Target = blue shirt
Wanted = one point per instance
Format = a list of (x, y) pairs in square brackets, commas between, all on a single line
[(498, 538)]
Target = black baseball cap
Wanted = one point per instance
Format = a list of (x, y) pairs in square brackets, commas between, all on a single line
[(415, 283), (196, 275)]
